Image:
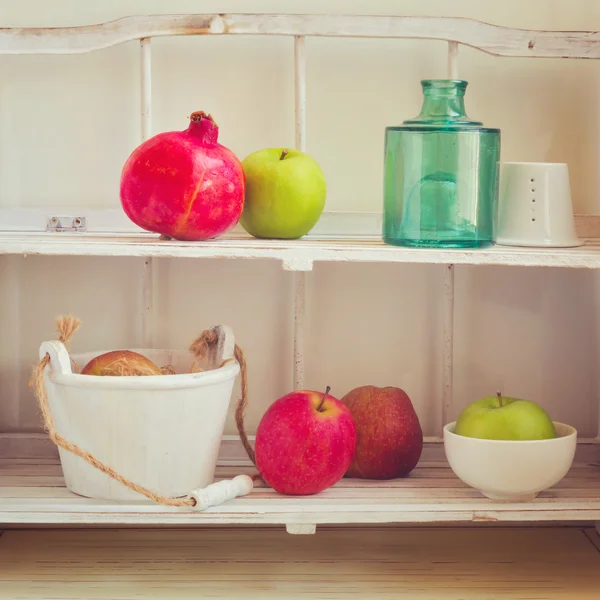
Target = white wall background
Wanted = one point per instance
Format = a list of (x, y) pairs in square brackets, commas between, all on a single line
[(67, 124)]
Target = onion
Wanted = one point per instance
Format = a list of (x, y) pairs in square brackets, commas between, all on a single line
[(120, 363), (184, 184)]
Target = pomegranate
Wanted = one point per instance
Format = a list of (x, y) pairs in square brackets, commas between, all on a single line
[(184, 184)]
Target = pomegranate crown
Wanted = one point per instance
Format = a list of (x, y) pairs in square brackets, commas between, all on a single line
[(198, 115), (203, 127)]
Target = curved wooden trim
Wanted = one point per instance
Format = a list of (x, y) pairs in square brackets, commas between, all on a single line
[(492, 39)]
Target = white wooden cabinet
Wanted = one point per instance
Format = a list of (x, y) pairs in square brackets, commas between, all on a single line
[(32, 491)]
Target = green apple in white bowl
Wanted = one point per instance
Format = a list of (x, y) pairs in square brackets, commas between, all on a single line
[(501, 418), (285, 193), (509, 451)]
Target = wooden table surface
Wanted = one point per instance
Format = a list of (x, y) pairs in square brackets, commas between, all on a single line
[(242, 563)]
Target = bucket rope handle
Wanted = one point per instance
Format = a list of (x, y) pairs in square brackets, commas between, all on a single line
[(212, 495)]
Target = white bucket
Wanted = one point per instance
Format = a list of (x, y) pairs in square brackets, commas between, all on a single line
[(161, 432)]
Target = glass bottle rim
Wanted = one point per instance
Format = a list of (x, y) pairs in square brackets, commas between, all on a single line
[(455, 85)]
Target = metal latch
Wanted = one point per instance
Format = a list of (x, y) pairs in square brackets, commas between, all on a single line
[(66, 224)]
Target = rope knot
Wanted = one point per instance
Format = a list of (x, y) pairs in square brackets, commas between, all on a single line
[(200, 346), (67, 327)]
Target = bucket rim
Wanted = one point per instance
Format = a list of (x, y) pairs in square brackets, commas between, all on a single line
[(133, 382)]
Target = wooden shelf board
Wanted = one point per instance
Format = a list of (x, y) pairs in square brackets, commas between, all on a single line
[(33, 492), (493, 39), (297, 254), (375, 563)]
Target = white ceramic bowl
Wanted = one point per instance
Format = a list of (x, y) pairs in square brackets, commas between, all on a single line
[(511, 471)]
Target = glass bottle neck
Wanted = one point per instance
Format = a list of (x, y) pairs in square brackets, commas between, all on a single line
[(443, 103), (442, 107)]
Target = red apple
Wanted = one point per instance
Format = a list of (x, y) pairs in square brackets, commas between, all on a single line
[(120, 362), (304, 442), (389, 439)]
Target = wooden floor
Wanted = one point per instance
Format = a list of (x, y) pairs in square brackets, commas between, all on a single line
[(32, 492), (245, 563)]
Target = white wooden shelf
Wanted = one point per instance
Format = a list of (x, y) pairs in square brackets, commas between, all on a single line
[(296, 255), (375, 563), (32, 492)]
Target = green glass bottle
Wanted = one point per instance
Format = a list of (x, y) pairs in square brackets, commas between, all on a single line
[(441, 174)]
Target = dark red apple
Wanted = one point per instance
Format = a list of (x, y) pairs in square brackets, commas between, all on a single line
[(389, 439), (305, 442)]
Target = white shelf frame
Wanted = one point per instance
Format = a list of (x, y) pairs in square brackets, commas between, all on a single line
[(299, 256), (492, 39), (146, 129), (33, 493)]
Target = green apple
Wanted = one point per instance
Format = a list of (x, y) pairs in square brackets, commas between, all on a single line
[(285, 193), (500, 418)]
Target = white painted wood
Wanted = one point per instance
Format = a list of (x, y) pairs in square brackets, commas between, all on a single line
[(32, 492), (332, 225), (452, 60), (37, 447), (336, 225), (297, 264), (300, 92), (301, 529), (297, 254), (499, 41), (300, 277), (36, 219), (146, 87), (299, 327), (11, 411), (448, 298), (370, 563), (147, 320), (60, 361), (147, 317), (448, 345), (163, 433)]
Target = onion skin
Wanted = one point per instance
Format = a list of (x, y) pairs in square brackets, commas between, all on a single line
[(120, 363), (184, 184)]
